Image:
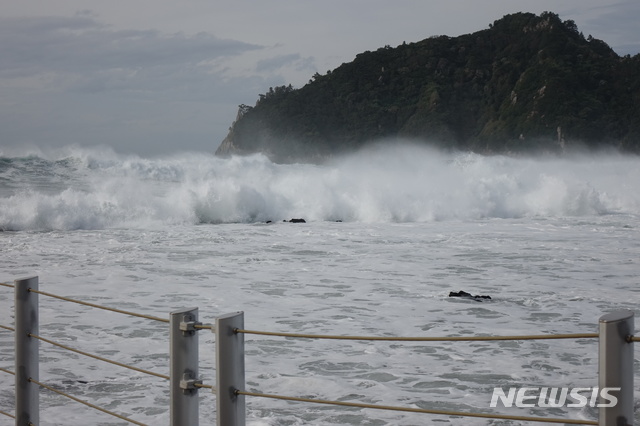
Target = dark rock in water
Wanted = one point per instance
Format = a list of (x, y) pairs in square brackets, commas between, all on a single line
[(466, 295), (297, 221), (69, 382)]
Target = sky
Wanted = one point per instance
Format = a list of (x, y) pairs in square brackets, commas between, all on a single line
[(157, 77)]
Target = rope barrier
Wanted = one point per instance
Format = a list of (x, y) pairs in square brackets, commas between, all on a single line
[(200, 385), (88, 404), (204, 327), (3, 412), (424, 339), (93, 305), (7, 371), (630, 339), (7, 414), (418, 410), (162, 376)]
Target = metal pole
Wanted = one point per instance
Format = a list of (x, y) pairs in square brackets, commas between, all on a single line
[(26, 322), (615, 366), (184, 367), (230, 369)]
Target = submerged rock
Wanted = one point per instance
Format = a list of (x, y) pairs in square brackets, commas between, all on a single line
[(466, 295)]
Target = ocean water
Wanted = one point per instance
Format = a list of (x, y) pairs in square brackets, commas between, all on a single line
[(389, 233)]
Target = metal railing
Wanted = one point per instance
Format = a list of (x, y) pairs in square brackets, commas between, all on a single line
[(615, 369), (27, 338), (615, 364)]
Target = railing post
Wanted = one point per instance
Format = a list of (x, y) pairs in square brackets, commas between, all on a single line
[(615, 367), (230, 369), (184, 367), (26, 322)]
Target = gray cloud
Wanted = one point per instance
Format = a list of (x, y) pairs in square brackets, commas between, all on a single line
[(276, 62), (627, 49), (75, 80), (81, 45), (616, 24)]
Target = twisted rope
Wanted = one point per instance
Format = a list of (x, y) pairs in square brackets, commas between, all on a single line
[(7, 371), (162, 376), (88, 404), (417, 410), (424, 339), (7, 414), (93, 305)]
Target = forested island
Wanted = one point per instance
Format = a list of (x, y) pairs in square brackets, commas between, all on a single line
[(527, 83)]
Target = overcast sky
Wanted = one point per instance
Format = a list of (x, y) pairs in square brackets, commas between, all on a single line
[(153, 77)]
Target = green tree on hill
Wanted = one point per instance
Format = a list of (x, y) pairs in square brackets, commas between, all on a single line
[(526, 82)]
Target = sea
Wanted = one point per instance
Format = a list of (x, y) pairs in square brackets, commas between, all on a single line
[(388, 233)]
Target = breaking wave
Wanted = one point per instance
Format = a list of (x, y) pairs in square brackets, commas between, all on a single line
[(94, 189)]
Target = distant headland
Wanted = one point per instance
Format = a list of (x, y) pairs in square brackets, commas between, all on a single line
[(527, 83)]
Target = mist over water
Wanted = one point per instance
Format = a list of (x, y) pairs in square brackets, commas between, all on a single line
[(95, 189)]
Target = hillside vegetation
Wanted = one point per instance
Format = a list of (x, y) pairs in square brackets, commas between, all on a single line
[(528, 82)]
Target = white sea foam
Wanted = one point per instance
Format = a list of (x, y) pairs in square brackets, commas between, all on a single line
[(554, 241), (545, 275), (86, 189)]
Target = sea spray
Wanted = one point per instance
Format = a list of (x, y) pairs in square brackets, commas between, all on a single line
[(90, 189)]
